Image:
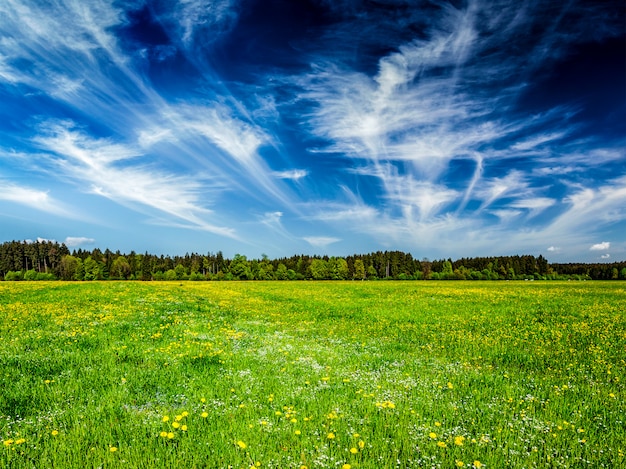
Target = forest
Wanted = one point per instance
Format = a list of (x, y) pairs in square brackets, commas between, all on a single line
[(48, 260)]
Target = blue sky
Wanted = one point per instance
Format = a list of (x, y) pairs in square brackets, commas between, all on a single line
[(455, 129)]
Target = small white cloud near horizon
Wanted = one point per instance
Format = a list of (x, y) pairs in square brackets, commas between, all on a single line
[(600, 246), (320, 241), (554, 249), (605, 256), (74, 241)]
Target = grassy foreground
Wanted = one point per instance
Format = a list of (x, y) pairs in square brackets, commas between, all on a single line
[(316, 375)]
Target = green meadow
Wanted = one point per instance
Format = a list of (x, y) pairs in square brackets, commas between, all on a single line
[(312, 374)]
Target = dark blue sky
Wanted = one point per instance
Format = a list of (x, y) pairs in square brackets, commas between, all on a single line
[(446, 129)]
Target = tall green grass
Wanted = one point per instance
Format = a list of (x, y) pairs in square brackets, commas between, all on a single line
[(328, 375)]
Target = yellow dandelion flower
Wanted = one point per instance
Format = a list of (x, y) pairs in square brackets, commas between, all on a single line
[(346, 466), (54, 432), (19, 441), (478, 464), (112, 449), (441, 444), (165, 418), (204, 415), (203, 400), (331, 436), (175, 424), (437, 424), (459, 440), (241, 444), (294, 420), (459, 463), (298, 432), (354, 450), (361, 444), (450, 386), (178, 418), (184, 428), (163, 434), (432, 435), (8, 442), (170, 435), (303, 467), (185, 414)]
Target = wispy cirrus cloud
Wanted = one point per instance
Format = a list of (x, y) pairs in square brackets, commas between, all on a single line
[(428, 111), (107, 169), (213, 134), (33, 198)]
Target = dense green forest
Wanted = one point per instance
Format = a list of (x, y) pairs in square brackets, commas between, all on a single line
[(47, 260)]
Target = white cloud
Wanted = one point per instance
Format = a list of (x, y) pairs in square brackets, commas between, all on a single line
[(600, 246), (33, 198), (605, 256), (554, 249), (74, 241), (293, 174), (105, 168), (202, 20), (320, 241)]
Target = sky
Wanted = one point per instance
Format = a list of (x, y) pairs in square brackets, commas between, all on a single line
[(331, 127)]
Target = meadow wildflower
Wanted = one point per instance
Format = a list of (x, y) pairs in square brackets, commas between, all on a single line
[(354, 450), (477, 464), (442, 444), (54, 432), (361, 444), (204, 415), (346, 466), (112, 449), (170, 435), (432, 435), (241, 444), (459, 440), (331, 436), (163, 434)]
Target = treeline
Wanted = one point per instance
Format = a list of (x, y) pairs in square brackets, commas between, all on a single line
[(47, 260)]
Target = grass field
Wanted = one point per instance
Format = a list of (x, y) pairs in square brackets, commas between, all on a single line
[(315, 375)]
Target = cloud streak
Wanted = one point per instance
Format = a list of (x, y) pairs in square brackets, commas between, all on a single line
[(107, 170)]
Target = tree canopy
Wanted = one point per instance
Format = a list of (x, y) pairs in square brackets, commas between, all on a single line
[(47, 260)]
